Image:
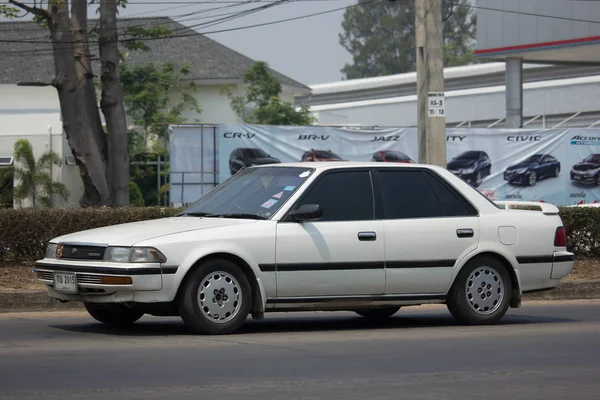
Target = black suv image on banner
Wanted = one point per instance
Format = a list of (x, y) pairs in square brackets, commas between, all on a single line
[(471, 166), (246, 157), (533, 168), (587, 171)]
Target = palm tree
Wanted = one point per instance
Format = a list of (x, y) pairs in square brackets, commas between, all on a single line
[(6, 186), (34, 176)]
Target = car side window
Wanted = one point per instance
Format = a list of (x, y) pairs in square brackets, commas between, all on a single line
[(417, 194), (343, 196)]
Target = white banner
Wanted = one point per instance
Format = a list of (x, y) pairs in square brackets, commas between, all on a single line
[(557, 166)]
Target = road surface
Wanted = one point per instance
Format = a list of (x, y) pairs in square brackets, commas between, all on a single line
[(545, 350)]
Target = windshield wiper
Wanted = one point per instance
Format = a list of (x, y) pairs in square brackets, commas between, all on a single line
[(237, 215)]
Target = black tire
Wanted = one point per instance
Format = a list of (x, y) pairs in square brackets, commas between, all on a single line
[(532, 178), (113, 314), (463, 309), (556, 172), (378, 313), (189, 302)]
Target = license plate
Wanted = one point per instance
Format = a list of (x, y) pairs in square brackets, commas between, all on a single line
[(577, 177), (65, 282)]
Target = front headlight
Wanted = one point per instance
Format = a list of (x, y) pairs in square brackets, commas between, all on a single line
[(468, 170), (134, 255), (51, 250)]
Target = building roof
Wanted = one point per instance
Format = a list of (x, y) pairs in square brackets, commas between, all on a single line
[(467, 77), (209, 60)]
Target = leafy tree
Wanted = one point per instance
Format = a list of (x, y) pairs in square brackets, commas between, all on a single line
[(101, 156), (35, 181), (263, 95), (381, 37), (155, 96)]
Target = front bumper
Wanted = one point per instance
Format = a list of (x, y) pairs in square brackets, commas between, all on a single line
[(470, 177), (515, 177), (101, 281), (583, 178)]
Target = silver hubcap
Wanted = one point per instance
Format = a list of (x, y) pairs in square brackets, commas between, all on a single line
[(219, 297), (485, 290), (532, 178)]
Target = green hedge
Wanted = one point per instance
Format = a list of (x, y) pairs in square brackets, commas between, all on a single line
[(25, 233)]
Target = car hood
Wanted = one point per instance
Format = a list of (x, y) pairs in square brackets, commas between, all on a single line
[(131, 233), (461, 164), (521, 165), (585, 166)]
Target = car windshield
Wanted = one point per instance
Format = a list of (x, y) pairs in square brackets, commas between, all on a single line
[(593, 158), (254, 153), (533, 159), (469, 155), (255, 193)]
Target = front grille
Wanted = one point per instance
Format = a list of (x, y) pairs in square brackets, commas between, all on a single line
[(81, 278), (74, 252)]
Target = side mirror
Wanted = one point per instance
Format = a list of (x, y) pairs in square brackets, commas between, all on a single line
[(307, 212)]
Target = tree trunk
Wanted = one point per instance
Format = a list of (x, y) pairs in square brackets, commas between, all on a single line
[(113, 106), (76, 122), (85, 75)]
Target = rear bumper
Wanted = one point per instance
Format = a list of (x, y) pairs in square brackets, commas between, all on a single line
[(562, 264), (104, 282)]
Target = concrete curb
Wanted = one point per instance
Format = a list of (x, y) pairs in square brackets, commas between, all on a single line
[(23, 301)]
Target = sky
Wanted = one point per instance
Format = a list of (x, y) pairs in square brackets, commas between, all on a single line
[(306, 50)]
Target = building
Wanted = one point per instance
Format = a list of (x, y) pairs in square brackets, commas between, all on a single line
[(33, 112), (540, 69)]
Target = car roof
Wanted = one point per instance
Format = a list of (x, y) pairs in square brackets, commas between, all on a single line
[(321, 165)]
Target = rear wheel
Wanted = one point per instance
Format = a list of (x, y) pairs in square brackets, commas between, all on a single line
[(378, 313), (481, 292), (216, 298), (113, 314)]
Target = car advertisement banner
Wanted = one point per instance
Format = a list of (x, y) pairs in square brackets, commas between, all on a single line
[(560, 166)]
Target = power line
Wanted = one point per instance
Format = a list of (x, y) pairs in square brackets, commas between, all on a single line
[(49, 51), (527, 13), (202, 11)]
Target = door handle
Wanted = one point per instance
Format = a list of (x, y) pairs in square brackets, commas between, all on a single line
[(367, 236), (464, 233)]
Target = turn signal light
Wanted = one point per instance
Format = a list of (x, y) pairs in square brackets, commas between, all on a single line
[(560, 237), (116, 280)]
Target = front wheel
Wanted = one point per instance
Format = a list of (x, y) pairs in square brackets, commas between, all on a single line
[(113, 314), (378, 313), (216, 298), (481, 292), (532, 178)]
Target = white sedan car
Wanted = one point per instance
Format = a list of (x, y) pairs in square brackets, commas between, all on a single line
[(365, 237)]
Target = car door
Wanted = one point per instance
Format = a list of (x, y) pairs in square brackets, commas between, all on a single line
[(428, 226), (342, 253)]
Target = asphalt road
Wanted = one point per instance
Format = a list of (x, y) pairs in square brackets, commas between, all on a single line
[(541, 351)]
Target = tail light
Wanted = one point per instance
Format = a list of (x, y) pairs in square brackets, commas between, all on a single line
[(560, 237)]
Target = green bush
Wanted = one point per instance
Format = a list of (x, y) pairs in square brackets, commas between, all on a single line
[(583, 230), (24, 233)]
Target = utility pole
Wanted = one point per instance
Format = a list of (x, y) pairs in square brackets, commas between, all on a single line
[(431, 103)]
